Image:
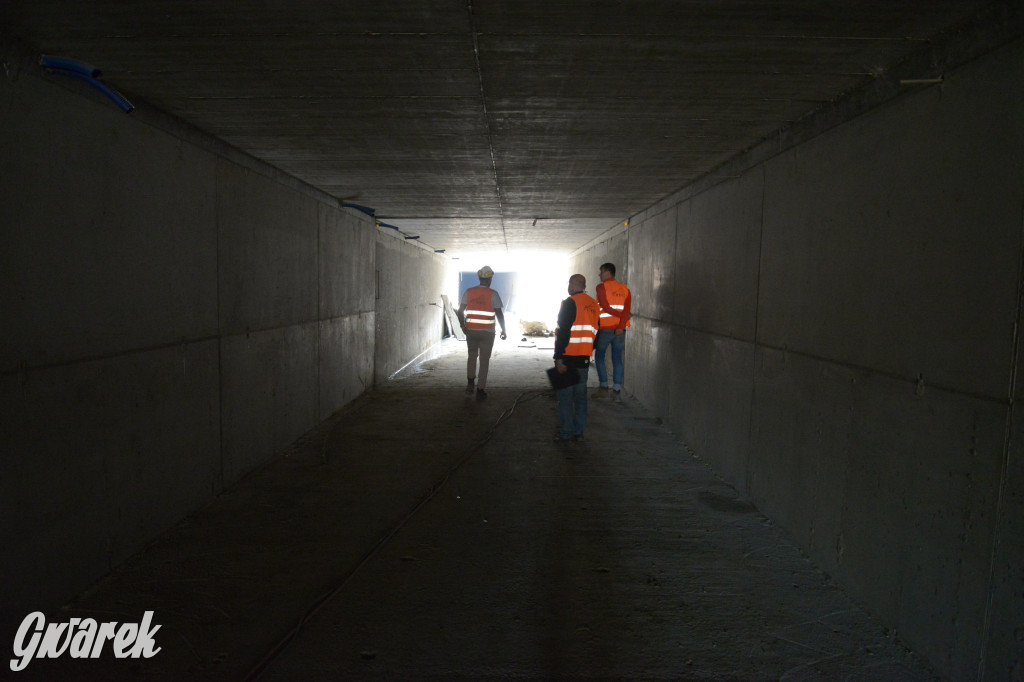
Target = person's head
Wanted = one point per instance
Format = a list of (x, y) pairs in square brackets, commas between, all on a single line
[(577, 283), (485, 274), (607, 271)]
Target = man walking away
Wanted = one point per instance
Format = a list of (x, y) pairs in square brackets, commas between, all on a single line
[(479, 308), (614, 298), (574, 343)]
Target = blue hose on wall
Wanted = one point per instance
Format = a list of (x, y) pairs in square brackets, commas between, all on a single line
[(368, 211), (87, 74)]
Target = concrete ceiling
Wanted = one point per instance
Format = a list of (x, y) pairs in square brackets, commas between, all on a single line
[(488, 125)]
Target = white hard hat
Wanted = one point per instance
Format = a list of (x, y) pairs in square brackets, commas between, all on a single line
[(485, 272)]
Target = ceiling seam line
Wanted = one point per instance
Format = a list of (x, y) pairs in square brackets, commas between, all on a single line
[(487, 122)]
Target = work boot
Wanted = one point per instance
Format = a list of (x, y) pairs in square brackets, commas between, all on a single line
[(469, 387)]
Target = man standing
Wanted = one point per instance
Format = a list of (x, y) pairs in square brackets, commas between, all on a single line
[(614, 299), (574, 342), (479, 308)]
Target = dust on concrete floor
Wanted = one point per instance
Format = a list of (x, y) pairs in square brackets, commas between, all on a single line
[(420, 534)]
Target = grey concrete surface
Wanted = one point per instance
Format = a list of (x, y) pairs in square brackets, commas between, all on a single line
[(421, 534), (171, 318), (268, 394), (873, 222), (267, 238), (75, 233), (346, 360), (346, 271), (867, 402), (716, 372), (100, 456), (717, 259), (612, 249), (408, 314), (512, 124), (163, 294)]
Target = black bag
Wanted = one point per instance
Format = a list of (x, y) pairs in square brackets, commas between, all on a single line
[(560, 381)]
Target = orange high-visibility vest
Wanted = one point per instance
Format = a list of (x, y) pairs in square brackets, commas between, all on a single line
[(584, 327), (479, 311), (616, 293)]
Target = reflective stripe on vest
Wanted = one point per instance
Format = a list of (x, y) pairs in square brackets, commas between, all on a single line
[(615, 293), (479, 311), (584, 327)]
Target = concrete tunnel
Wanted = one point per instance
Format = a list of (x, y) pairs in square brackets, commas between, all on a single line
[(834, 350)]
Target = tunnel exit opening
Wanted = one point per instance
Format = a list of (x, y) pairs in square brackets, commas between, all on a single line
[(530, 284)]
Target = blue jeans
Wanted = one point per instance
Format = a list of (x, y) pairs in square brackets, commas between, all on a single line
[(605, 338), (572, 407)]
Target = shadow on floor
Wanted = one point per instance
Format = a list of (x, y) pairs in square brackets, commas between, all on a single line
[(421, 534)]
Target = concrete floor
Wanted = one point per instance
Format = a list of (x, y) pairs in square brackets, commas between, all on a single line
[(420, 534)]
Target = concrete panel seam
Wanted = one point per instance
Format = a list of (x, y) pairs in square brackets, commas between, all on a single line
[(399, 239), (699, 330), (610, 233), (219, 285), (1004, 464), (757, 310), (248, 331), (991, 28), (23, 368), (319, 299), (175, 127), (917, 382), (487, 121)]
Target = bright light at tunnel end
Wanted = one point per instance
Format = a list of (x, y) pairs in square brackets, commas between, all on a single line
[(540, 279)]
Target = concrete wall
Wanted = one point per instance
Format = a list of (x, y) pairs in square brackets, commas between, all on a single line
[(612, 247), (173, 314), (835, 330), (410, 319)]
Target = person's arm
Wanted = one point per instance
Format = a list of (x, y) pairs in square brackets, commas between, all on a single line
[(461, 312), (566, 316), (498, 314), (606, 307), (500, 317), (624, 317), (602, 300)]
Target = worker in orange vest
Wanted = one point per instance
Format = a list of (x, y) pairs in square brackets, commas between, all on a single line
[(578, 320), (615, 301), (479, 308)]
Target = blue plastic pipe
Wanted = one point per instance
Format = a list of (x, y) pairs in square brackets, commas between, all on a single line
[(368, 211), (70, 65), (87, 74)]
